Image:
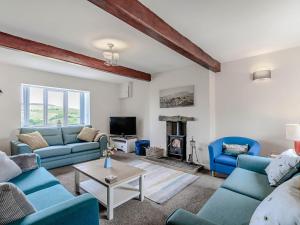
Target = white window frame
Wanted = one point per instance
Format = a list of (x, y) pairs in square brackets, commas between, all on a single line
[(84, 105)]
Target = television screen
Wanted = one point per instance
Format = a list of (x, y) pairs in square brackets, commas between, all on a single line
[(123, 125)]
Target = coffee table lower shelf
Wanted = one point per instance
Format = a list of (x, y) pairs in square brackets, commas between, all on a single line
[(121, 194)]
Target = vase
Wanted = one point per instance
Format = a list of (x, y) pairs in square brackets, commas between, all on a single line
[(107, 162)]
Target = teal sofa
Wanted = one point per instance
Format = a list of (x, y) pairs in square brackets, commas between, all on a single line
[(64, 147), (237, 198), (53, 203)]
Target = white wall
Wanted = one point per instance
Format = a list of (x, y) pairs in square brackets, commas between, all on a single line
[(104, 98), (259, 110), (199, 129), (138, 106)]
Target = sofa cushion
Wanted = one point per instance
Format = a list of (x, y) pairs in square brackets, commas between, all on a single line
[(87, 134), (83, 146), (282, 168), (35, 140), (52, 135), (13, 205), (70, 134), (228, 208), (234, 149), (282, 206), (226, 160), (8, 168), (246, 182), (40, 199), (52, 151), (34, 180)]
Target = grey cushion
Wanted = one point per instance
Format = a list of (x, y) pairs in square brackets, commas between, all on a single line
[(282, 168), (84, 146), (8, 168), (282, 206), (52, 135), (13, 204), (52, 151), (25, 161)]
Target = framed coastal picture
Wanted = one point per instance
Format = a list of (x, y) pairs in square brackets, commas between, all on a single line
[(177, 97)]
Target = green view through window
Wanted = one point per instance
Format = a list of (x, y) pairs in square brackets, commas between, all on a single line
[(48, 106)]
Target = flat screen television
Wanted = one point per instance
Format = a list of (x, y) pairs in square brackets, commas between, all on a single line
[(123, 126)]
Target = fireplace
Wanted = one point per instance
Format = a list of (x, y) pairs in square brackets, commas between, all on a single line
[(176, 135), (176, 139)]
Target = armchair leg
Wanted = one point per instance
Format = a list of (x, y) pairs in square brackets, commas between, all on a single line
[(213, 173)]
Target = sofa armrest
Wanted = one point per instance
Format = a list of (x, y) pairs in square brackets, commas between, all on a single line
[(183, 217), (255, 149), (254, 163), (81, 210), (19, 148), (215, 148), (103, 141)]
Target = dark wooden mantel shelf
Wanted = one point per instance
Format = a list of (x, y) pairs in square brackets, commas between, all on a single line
[(176, 118)]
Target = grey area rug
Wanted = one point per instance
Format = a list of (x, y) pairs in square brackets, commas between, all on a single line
[(134, 212), (162, 183)]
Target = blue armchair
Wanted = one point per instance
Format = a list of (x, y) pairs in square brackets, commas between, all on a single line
[(225, 164)]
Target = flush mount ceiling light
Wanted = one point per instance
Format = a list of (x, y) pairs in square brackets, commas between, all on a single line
[(262, 75), (102, 44)]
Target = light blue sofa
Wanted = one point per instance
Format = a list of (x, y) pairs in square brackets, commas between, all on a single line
[(64, 147), (237, 198), (54, 204), (223, 163)]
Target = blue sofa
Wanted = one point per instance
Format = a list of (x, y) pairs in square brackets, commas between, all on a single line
[(236, 200), (54, 204), (225, 164), (64, 147)]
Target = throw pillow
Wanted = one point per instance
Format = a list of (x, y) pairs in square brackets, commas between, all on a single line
[(235, 149), (282, 206), (98, 136), (87, 134), (14, 204), (25, 161), (282, 168), (8, 168), (35, 140)]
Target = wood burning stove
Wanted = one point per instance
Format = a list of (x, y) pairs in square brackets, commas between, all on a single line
[(177, 146), (176, 139), (176, 135)]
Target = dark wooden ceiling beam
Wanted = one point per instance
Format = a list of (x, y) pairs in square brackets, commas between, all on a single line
[(143, 19), (22, 44)]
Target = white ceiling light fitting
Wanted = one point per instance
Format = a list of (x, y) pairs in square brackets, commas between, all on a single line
[(111, 58)]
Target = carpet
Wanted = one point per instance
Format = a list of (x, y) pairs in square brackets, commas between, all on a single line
[(134, 212), (162, 183)]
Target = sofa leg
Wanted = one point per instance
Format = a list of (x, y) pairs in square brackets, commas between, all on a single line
[(213, 173)]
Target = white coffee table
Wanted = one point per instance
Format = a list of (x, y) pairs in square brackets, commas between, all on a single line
[(110, 195)]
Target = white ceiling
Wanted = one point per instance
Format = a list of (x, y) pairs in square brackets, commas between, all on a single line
[(228, 30), (233, 29)]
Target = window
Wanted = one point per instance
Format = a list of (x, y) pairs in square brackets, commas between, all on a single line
[(47, 106)]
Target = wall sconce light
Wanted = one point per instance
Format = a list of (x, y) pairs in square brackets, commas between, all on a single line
[(262, 75), (1, 92)]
